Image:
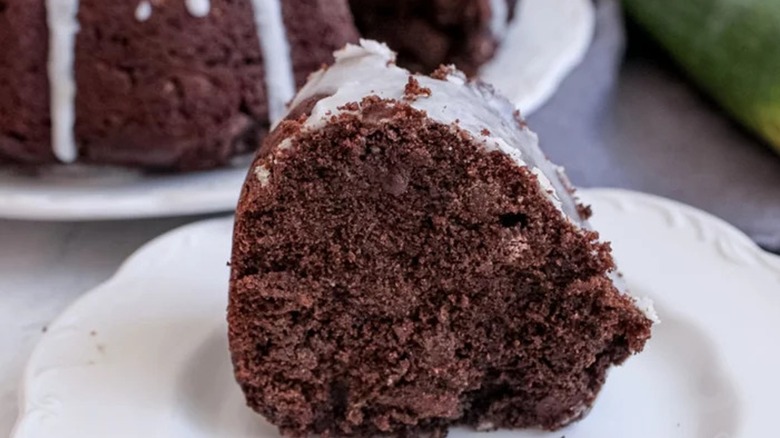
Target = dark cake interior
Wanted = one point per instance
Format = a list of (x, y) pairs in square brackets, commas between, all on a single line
[(391, 275)]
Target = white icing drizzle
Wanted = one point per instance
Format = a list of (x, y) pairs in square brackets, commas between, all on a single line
[(198, 8), (61, 17), (369, 69), (143, 11), (279, 80), (499, 17)]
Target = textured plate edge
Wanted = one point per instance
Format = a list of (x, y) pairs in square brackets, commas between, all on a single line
[(719, 232), (726, 240)]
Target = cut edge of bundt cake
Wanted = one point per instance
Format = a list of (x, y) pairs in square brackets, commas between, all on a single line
[(406, 259)]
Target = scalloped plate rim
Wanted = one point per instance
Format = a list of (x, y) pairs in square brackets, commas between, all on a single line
[(732, 231)]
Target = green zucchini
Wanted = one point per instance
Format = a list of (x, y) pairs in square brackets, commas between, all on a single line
[(731, 49)]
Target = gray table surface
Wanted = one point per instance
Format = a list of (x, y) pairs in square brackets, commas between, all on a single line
[(644, 129), (649, 130)]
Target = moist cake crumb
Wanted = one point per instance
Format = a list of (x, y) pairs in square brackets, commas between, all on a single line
[(399, 275)]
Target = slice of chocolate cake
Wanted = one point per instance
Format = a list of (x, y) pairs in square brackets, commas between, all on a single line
[(406, 259)]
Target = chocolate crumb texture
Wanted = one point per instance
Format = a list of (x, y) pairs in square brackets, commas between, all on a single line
[(395, 277), (413, 89)]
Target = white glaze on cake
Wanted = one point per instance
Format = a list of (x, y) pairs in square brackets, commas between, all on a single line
[(499, 18), (198, 8), (63, 27), (369, 69), (143, 11), (271, 31)]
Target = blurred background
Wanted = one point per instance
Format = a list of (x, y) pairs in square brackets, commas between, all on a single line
[(630, 116)]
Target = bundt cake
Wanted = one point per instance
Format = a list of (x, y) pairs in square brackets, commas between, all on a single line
[(189, 84), (405, 259)]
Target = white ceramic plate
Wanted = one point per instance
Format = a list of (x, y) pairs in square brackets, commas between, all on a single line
[(543, 45), (145, 354), (546, 41)]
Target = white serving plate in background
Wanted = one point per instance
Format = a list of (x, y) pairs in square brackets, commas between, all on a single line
[(145, 354), (547, 41)]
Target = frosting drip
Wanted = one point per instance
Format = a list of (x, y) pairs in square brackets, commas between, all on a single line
[(198, 8), (271, 31), (369, 69), (499, 17), (61, 17), (143, 11)]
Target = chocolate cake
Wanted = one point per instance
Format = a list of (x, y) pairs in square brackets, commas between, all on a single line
[(406, 259), (189, 84), (463, 32)]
